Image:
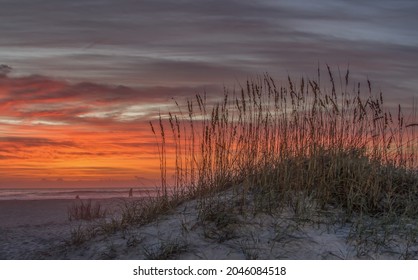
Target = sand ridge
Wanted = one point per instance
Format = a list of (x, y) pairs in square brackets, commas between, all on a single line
[(183, 234)]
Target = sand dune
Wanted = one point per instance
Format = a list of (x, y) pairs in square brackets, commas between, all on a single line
[(41, 230)]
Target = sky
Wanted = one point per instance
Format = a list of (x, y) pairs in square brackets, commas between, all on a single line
[(80, 79)]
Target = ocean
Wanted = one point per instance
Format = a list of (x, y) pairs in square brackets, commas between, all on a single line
[(68, 193)]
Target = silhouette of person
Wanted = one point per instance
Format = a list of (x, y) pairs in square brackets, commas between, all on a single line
[(130, 192)]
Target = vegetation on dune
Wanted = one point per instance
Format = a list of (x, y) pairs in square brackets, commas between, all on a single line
[(85, 210), (337, 145), (328, 153)]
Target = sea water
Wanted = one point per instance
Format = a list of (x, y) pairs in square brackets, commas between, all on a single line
[(71, 193)]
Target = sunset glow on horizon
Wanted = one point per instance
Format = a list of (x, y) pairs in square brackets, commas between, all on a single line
[(80, 82), (52, 130)]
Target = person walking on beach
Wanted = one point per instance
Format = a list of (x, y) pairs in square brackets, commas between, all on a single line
[(130, 192)]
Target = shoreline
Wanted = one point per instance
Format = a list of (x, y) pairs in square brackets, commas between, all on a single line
[(71, 193)]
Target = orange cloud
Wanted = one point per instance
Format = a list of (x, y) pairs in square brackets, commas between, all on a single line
[(53, 129)]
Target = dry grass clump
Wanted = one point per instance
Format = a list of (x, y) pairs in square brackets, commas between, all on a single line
[(340, 179), (132, 213), (85, 210), (340, 146), (166, 250), (144, 211)]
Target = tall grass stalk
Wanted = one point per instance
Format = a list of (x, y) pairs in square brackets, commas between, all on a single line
[(85, 210), (335, 144)]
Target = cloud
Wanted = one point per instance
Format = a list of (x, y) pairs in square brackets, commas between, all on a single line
[(41, 99), (88, 75), (34, 142), (5, 69), (53, 128), (151, 43)]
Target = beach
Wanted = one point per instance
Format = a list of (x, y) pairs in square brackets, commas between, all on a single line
[(41, 230), (30, 228)]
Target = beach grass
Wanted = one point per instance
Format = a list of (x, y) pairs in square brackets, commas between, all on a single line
[(165, 250), (332, 143), (327, 153), (85, 210)]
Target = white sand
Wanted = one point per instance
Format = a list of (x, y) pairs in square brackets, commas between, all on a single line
[(41, 230)]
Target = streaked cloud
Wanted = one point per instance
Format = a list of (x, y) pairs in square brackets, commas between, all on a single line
[(51, 128), (79, 80), (190, 43)]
